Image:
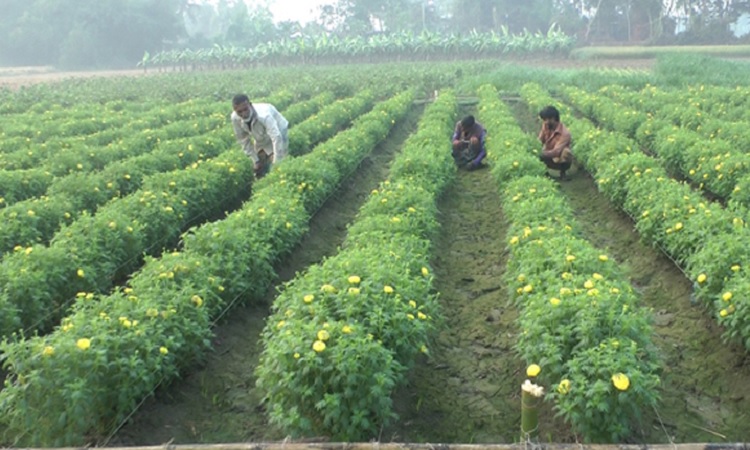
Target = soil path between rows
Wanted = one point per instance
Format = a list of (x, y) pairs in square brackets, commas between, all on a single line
[(218, 402), (468, 390)]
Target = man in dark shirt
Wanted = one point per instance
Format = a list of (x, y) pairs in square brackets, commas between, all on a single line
[(468, 143)]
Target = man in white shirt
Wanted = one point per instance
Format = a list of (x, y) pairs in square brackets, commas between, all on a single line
[(268, 128)]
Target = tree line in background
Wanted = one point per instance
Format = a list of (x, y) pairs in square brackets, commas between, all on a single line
[(115, 33)]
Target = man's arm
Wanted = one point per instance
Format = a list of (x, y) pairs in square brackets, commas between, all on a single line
[(243, 138), (456, 133)]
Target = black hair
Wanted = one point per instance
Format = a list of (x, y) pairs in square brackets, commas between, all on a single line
[(549, 112), (467, 122), (239, 99)]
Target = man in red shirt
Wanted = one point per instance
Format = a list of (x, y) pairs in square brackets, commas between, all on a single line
[(555, 139)]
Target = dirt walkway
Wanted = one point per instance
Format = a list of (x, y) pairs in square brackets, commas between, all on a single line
[(218, 402), (469, 390)]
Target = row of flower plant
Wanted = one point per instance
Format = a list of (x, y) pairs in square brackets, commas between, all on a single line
[(708, 242), (86, 120), (83, 379), (709, 156), (29, 173), (580, 319), (178, 121), (36, 220), (343, 334), (95, 252), (38, 294)]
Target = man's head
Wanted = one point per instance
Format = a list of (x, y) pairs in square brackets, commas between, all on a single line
[(551, 117), (467, 123), (241, 105)]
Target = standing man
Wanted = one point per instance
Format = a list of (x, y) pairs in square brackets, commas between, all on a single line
[(268, 128), (468, 143), (555, 139)]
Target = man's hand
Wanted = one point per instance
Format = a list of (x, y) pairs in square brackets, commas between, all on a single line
[(456, 144)]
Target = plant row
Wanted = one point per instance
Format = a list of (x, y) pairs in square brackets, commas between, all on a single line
[(88, 375), (24, 183), (42, 285), (96, 252), (343, 334), (77, 121), (328, 121), (704, 157), (36, 220), (23, 151), (708, 242), (579, 317)]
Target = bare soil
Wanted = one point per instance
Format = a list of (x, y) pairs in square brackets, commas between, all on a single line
[(17, 77)]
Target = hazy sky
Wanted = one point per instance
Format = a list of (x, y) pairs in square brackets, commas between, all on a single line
[(300, 10)]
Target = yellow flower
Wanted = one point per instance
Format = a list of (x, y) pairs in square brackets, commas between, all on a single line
[(603, 258), (727, 296), (308, 298), (410, 316), (533, 370), (514, 240), (423, 349), (702, 278), (425, 272), (521, 278), (354, 279), (353, 291), (323, 335), (328, 289), (570, 258), (48, 351), (319, 346), (678, 226), (163, 350), (528, 288), (598, 276), (723, 313), (280, 324), (421, 315), (83, 343), (387, 289), (735, 268), (564, 387), (588, 284), (346, 329), (621, 381), (555, 301), (197, 300), (81, 273), (412, 303)]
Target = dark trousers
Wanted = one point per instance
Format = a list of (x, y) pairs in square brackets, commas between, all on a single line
[(561, 166)]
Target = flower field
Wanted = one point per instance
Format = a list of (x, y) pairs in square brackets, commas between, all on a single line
[(151, 289)]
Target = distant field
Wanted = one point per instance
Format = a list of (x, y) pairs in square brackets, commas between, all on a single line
[(737, 51)]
